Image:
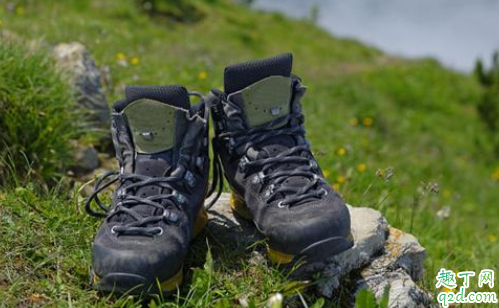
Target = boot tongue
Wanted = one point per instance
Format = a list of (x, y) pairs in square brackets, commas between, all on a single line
[(241, 75), (157, 120), (262, 91)]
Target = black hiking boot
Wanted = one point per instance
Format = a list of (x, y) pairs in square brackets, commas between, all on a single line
[(161, 144), (275, 180)]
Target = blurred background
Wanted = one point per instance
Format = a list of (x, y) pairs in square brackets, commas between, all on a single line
[(456, 32), (402, 111)]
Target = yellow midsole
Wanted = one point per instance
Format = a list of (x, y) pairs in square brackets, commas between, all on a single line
[(279, 257), (238, 205), (172, 283), (200, 222)]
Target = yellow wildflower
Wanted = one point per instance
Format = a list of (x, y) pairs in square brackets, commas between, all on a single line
[(354, 121), (447, 194), (341, 151), (19, 10), (120, 56), (1, 22), (495, 175), (367, 121), (361, 167), (134, 61), (446, 290), (341, 179), (202, 75), (336, 186), (326, 173), (35, 298), (492, 238)]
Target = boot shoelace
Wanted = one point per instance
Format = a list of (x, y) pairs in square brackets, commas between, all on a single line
[(305, 165), (126, 200)]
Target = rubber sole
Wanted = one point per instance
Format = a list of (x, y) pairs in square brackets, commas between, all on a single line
[(125, 283), (315, 252), (131, 284)]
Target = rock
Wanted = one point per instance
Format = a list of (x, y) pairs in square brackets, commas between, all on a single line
[(75, 61), (228, 228), (398, 266), (381, 257), (402, 291), (86, 160), (369, 229), (82, 176)]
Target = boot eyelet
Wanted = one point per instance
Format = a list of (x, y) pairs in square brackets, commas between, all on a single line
[(313, 165), (281, 205), (258, 178), (191, 180), (261, 176), (243, 162), (181, 199), (231, 145), (113, 229), (324, 192), (160, 231), (121, 193), (200, 162), (171, 216), (269, 191), (255, 180)]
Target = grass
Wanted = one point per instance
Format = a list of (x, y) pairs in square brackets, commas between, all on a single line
[(36, 122), (401, 136)]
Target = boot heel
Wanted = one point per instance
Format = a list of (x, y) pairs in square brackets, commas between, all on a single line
[(238, 205), (200, 222)]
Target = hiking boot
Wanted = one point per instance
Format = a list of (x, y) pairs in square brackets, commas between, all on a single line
[(161, 144), (275, 179)]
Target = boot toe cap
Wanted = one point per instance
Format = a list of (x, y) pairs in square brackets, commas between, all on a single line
[(121, 264), (323, 226)]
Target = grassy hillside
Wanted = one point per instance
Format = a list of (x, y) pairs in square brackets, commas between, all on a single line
[(397, 135)]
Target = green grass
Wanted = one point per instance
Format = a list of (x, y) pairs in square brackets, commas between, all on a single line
[(367, 115), (36, 121)]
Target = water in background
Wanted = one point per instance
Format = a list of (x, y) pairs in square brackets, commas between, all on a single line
[(456, 32)]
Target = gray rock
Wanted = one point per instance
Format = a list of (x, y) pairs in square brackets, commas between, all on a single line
[(384, 256), (402, 290), (369, 229), (400, 264), (86, 160), (75, 61), (228, 228)]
